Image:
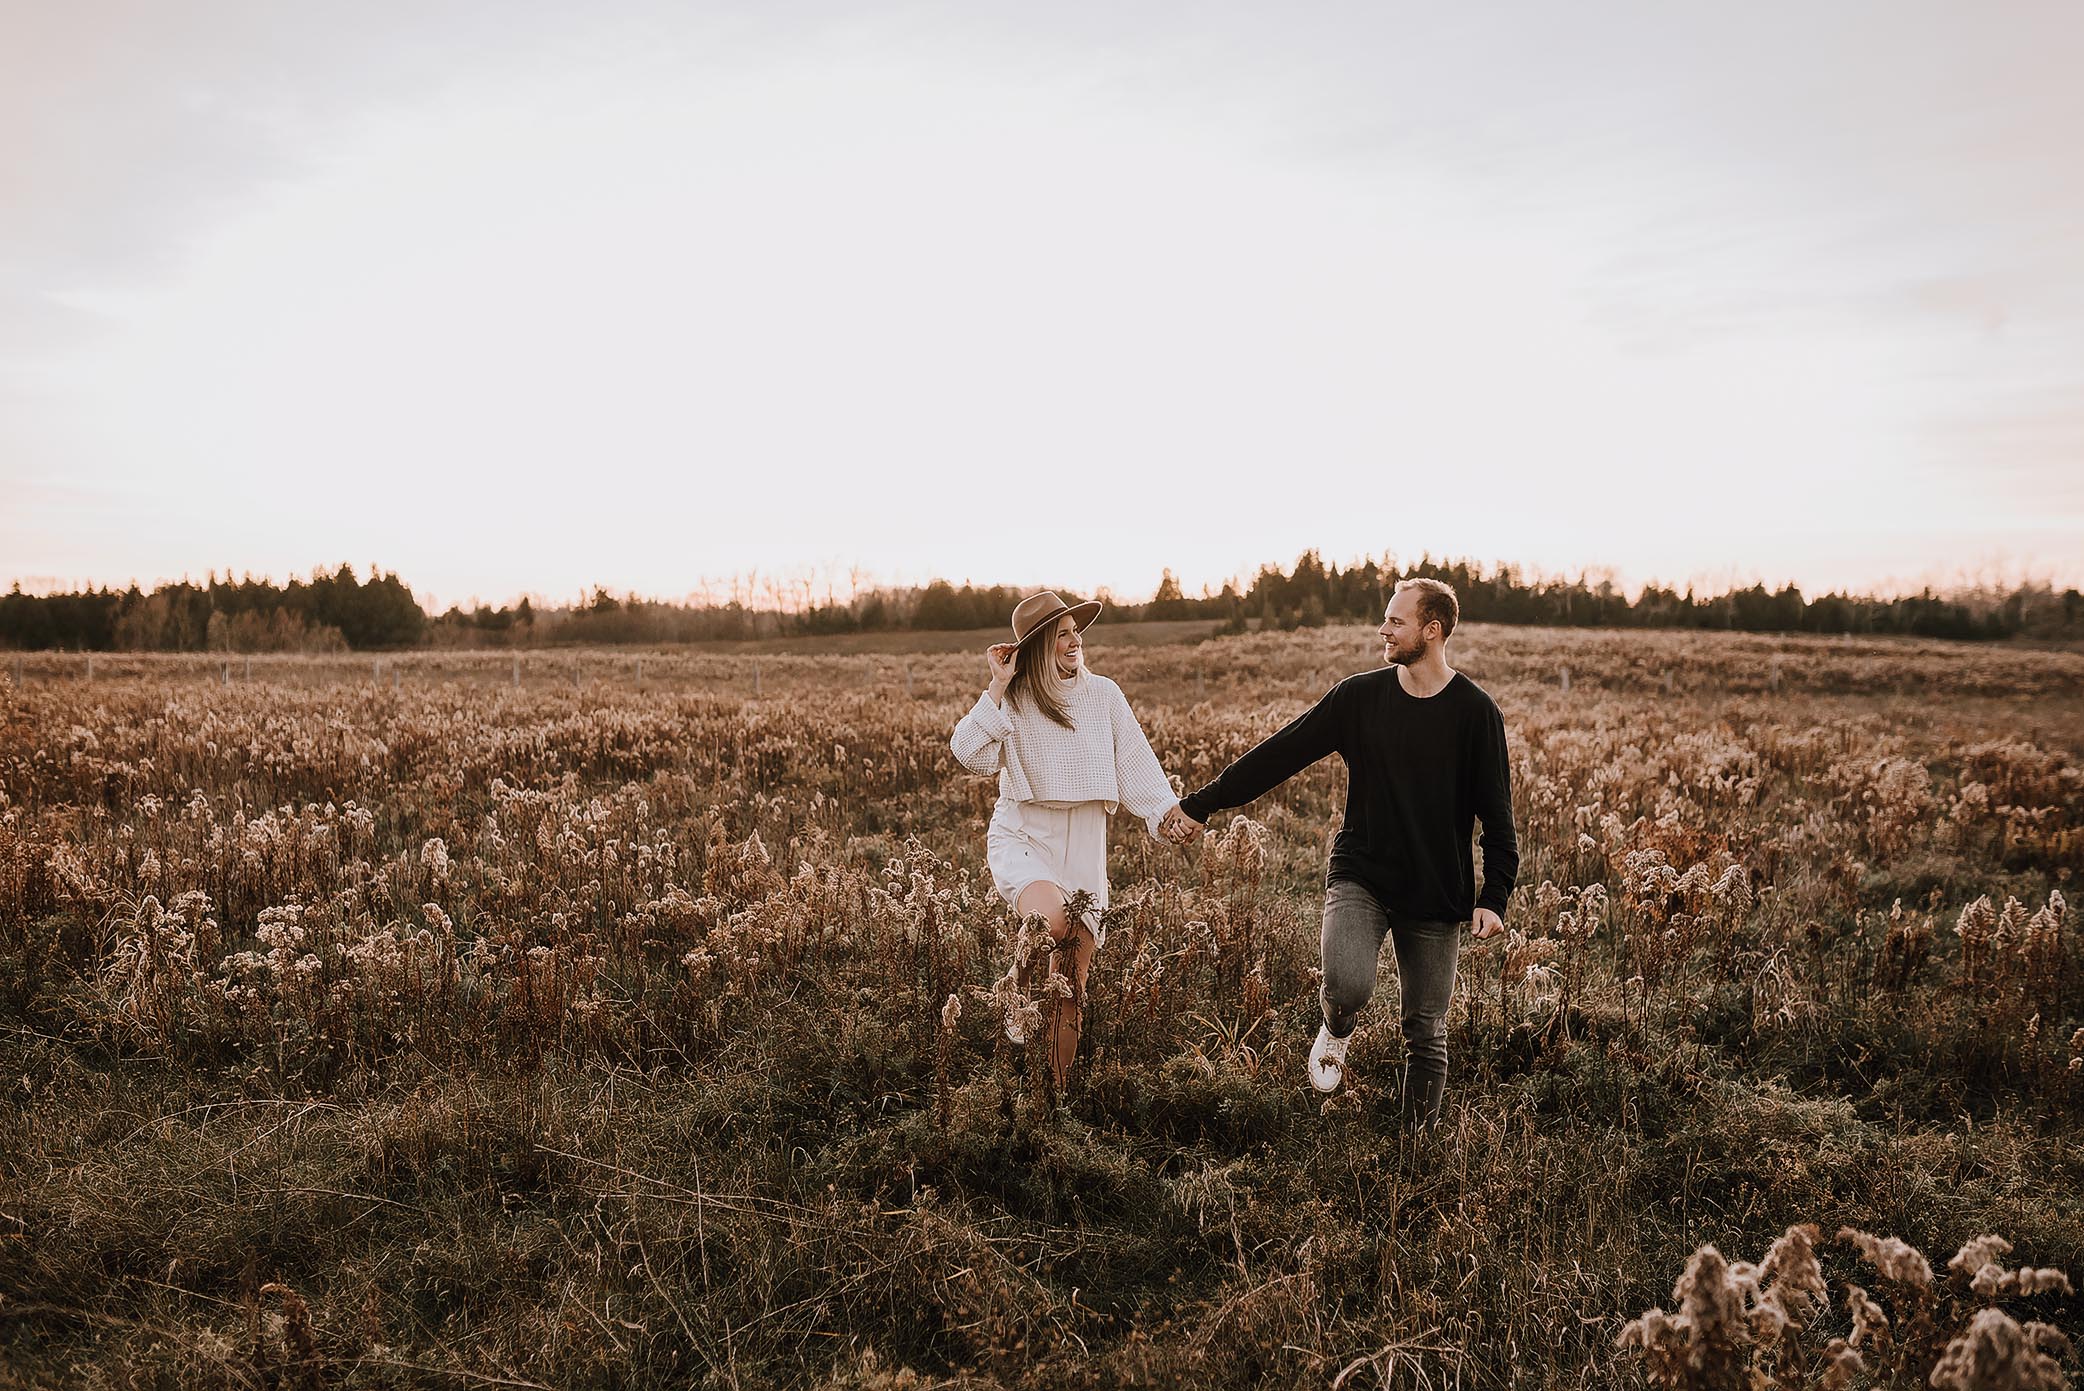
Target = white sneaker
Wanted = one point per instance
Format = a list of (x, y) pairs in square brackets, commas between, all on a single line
[(1327, 1059)]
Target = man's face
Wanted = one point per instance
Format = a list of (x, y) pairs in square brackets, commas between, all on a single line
[(1405, 639)]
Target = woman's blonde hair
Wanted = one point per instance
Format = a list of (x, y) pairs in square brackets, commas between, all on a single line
[(1034, 680)]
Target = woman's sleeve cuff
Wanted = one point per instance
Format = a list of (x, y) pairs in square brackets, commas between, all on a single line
[(991, 716)]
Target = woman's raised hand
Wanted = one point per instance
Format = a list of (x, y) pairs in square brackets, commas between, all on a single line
[(1000, 657)]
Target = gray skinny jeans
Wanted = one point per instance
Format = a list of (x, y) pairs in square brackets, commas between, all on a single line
[(1354, 926)]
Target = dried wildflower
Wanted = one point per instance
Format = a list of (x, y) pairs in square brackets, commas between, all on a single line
[(299, 1344), (1548, 899), (1994, 1280), (1892, 1258), (1840, 1361), (1996, 1354), (1974, 926), (2043, 930), (1703, 1344), (1869, 1323), (1732, 891), (1975, 1253), (951, 1011), (1792, 1276)]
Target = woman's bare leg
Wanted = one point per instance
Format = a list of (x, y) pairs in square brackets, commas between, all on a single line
[(1073, 958)]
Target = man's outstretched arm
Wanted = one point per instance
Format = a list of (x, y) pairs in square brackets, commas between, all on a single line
[(1278, 757)]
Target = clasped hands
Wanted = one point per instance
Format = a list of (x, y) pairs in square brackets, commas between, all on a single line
[(1180, 828)]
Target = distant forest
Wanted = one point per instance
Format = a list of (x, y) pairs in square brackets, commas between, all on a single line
[(338, 612)]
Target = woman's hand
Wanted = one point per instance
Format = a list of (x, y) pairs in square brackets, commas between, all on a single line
[(1180, 828), (999, 656)]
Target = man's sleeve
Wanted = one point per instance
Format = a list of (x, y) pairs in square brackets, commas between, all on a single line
[(1278, 757), (1501, 847)]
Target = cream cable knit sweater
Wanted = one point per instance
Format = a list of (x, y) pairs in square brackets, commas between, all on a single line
[(1105, 758)]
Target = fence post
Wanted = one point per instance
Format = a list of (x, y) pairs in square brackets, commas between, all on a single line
[(249, 666), (756, 678), (1565, 673), (376, 672), (517, 671), (640, 669), (18, 673), (90, 666), (1667, 680), (1773, 676), (224, 678), (908, 680), (394, 676)]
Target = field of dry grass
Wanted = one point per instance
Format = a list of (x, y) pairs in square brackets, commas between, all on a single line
[(396, 1024)]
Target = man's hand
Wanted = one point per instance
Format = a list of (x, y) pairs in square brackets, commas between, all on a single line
[(1486, 924), (1180, 828)]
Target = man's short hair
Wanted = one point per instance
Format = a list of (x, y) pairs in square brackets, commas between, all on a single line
[(1436, 602)]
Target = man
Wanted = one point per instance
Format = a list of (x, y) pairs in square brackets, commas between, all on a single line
[(1425, 757)]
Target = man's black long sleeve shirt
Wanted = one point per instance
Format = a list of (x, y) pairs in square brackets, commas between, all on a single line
[(1419, 774)]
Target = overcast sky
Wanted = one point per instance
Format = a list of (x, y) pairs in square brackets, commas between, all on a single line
[(526, 298)]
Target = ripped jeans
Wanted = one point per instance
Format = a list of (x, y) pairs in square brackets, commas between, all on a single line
[(1354, 926)]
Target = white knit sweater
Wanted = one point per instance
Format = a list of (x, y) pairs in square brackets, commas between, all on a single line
[(1103, 758)]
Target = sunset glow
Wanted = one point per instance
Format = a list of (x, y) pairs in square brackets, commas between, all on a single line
[(654, 303)]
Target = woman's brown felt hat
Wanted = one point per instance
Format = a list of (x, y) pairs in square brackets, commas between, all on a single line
[(1037, 609)]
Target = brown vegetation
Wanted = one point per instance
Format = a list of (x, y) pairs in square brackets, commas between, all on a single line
[(588, 1033)]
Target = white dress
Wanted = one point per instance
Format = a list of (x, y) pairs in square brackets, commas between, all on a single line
[(1064, 843), (1058, 786)]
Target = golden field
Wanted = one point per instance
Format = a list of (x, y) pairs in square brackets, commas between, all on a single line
[(430, 1020)]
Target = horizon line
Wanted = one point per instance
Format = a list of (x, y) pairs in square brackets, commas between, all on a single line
[(739, 587)]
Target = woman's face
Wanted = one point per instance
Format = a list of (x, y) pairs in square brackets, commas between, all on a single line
[(1068, 646)]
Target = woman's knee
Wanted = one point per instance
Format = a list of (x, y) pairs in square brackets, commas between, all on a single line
[(1045, 900)]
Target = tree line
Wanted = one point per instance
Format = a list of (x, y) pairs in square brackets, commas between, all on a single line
[(338, 612)]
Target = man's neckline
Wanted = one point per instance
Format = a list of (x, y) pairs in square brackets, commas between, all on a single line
[(1452, 677)]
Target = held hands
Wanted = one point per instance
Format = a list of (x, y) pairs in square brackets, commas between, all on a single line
[(1180, 828), (1485, 923)]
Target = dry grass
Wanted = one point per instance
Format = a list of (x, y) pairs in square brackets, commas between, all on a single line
[(589, 1034)]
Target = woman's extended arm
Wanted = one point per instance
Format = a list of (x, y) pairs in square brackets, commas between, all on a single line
[(980, 737), (1145, 790)]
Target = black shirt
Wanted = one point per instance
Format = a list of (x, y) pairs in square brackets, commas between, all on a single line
[(1419, 774)]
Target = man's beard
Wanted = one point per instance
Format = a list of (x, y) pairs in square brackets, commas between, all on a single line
[(1402, 656)]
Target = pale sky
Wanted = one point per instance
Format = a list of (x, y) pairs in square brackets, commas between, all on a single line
[(531, 297)]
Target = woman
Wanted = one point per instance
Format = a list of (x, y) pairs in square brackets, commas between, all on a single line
[(1067, 750)]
